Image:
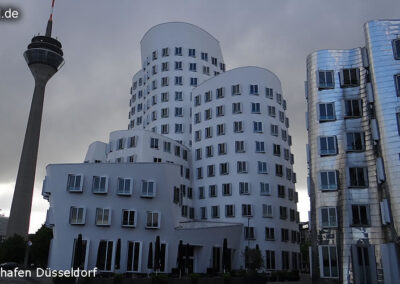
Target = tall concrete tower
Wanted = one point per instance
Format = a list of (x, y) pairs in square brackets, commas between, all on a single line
[(44, 58)]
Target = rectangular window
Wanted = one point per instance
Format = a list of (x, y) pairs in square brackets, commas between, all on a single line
[(178, 128), (210, 170), (74, 183), (274, 130), (244, 188), (235, 90), (238, 126), (278, 170), (178, 80), (208, 97), (198, 154), (236, 108), (326, 111), (204, 56), (134, 259), (103, 217), (360, 215), (124, 186), (199, 173), (192, 52), (260, 147), (397, 83), (165, 52), (247, 210), (230, 210), (281, 191), (178, 111), (284, 235), (327, 145), (203, 212), (154, 143), (164, 129), (242, 167), (178, 51), (277, 150), (226, 189), (99, 184), (192, 67), (326, 79), (220, 93), (264, 188), (222, 148), (262, 167), (178, 65), (270, 259), (164, 112), (257, 126), (104, 255), (353, 108), (328, 217), (355, 141), (328, 261), (271, 111), (153, 220), (239, 147), (255, 108), (128, 218), (208, 133), (215, 211), (267, 210), (220, 111), (269, 234), (221, 129), (214, 61), (193, 82), (223, 168), (209, 151), (349, 77), (249, 233), (358, 177), (132, 141), (167, 147), (396, 48), (328, 180), (77, 216), (253, 89), (201, 192), (148, 188), (269, 93)]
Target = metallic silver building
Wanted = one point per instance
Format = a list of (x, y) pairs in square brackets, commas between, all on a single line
[(353, 156)]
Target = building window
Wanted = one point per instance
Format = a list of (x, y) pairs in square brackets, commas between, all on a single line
[(208, 133), (271, 111), (124, 186), (241, 167), (328, 180), (328, 262), (210, 170), (274, 130), (264, 188), (178, 65), (192, 67), (104, 255), (255, 108), (278, 170), (206, 70), (285, 260), (327, 145), (77, 216), (349, 77), (74, 183), (215, 211), (267, 210), (326, 111), (153, 220), (148, 188), (396, 48), (328, 217), (192, 52), (249, 233), (284, 235), (99, 184), (178, 128), (208, 97), (236, 108), (277, 149), (355, 141), (262, 167), (253, 89), (229, 210), (221, 129), (178, 51), (247, 210), (198, 154), (178, 112), (281, 191), (204, 56), (269, 234), (132, 141), (222, 149), (193, 82), (326, 79), (178, 80), (209, 151), (223, 168), (257, 126), (260, 147), (203, 212), (154, 143), (270, 259), (167, 147), (214, 61), (164, 112), (103, 217), (397, 83), (360, 215), (226, 189), (358, 177), (244, 188), (199, 173), (235, 90), (164, 129), (128, 218), (134, 259), (239, 147), (220, 93), (238, 126), (220, 111), (353, 108)]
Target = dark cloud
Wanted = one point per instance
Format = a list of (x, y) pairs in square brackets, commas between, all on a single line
[(89, 96)]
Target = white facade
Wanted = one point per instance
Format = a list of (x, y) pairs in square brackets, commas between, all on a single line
[(245, 195)]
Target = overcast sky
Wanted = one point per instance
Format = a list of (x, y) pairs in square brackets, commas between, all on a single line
[(89, 96)]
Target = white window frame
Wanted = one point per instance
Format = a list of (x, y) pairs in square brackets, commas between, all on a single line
[(262, 167), (129, 218), (267, 211), (332, 217), (244, 188), (265, 189), (104, 221), (321, 258), (125, 180), (330, 186), (100, 190), (328, 151), (322, 76), (152, 221), (145, 189), (75, 188), (76, 220)]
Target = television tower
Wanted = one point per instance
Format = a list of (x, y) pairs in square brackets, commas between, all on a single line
[(44, 58)]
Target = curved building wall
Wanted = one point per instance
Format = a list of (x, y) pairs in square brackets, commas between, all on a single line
[(338, 159), (176, 57), (217, 175)]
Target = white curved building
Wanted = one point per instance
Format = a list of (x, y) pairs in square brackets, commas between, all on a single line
[(205, 158)]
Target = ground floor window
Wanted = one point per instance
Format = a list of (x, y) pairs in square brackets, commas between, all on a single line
[(328, 262), (79, 253), (216, 256), (104, 255), (270, 259), (134, 256), (285, 260)]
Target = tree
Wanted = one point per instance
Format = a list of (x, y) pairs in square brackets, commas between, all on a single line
[(180, 261), (150, 257), (157, 253), (254, 259), (13, 249), (39, 251)]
